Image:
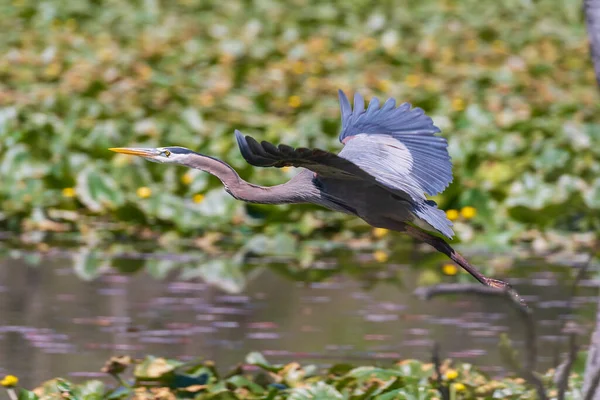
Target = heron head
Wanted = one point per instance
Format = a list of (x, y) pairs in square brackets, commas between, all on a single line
[(171, 155)]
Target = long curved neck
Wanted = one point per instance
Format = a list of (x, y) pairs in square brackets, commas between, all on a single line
[(239, 188)]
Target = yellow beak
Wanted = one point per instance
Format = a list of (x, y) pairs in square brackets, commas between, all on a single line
[(136, 151)]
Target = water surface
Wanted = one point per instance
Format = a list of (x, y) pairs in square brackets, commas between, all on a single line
[(53, 323)]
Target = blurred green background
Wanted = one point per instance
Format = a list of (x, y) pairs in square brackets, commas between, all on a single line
[(510, 84)]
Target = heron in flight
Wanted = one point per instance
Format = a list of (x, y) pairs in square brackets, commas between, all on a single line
[(391, 159)]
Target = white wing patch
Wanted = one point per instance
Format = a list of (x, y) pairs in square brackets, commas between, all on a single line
[(388, 160)]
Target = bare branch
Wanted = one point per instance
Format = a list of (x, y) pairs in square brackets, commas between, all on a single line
[(569, 306), (564, 370)]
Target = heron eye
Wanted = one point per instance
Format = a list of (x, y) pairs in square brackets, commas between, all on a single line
[(167, 153)]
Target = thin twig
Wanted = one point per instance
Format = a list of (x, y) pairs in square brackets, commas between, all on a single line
[(569, 306), (524, 313), (564, 370)]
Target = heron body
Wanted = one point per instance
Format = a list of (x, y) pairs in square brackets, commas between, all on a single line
[(391, 159)]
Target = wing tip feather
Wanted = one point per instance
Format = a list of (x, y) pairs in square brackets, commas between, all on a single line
[(378, 119)]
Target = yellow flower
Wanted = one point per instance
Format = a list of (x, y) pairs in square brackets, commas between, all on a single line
[(187, 178), (298, 68), (384, 85), (452, 215), (449, 269), (52, 70), (285, 169), (198, 198), (380, 256), (9, 381), (380, 232), (412, 80), (144, 192), (468, 212), (451, 374), (294, 101), (68, 192), (459, 387), (458, 104)]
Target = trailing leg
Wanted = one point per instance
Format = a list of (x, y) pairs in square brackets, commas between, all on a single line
[(443, 247)]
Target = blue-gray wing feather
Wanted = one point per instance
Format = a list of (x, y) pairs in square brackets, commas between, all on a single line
[(430, 168), (435, 217)]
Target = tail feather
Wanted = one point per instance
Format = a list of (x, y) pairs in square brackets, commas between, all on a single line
[(434, 217)]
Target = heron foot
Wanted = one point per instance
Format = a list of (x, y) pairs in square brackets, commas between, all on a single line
[(498, 284)]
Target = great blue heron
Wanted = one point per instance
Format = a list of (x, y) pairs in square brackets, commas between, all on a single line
[(390, 160)]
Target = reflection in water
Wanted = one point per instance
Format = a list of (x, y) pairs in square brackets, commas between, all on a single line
[(53, 323)]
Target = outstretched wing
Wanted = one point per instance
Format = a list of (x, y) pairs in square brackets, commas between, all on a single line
[(380, 164), (396, 145), (324, 163)]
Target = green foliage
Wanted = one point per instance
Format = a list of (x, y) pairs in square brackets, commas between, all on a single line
[(155, 377), (508, 82)]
